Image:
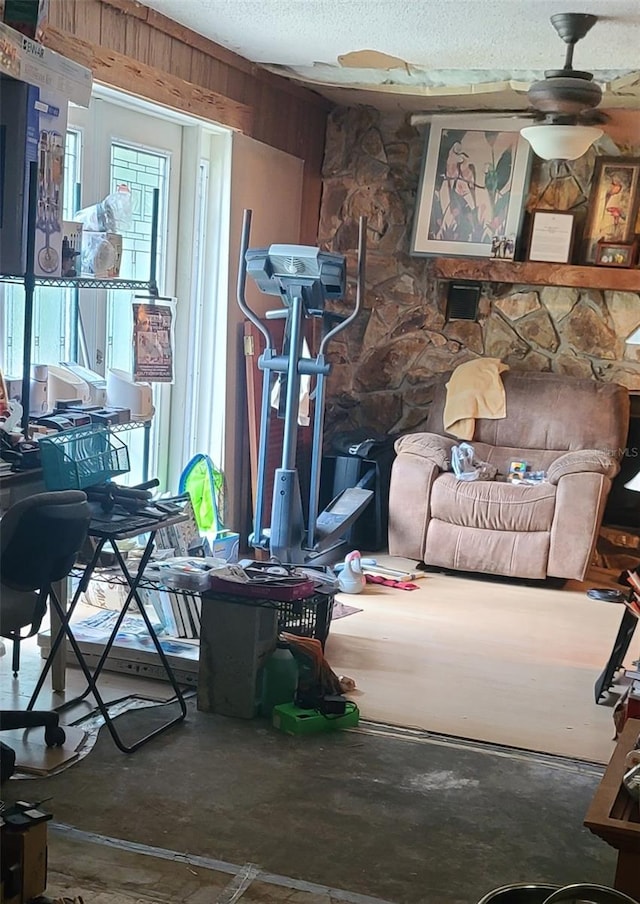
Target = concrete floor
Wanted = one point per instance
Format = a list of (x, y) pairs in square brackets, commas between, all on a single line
[(394, 815), (87, 869)]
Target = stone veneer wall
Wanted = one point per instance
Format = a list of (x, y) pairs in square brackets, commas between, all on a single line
[(385, 364)]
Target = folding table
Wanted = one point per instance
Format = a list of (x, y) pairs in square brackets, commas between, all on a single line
[(628, 625), (110, 530)]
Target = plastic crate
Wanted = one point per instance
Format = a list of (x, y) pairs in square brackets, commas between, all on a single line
[(82, 457), (307, 617)]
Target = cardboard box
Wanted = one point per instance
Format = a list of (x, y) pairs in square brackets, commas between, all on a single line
[(101, 254), (29, 19), (14, 387), (71, 248), (28, 61), (225, 546), (33, 124), (26, 851)]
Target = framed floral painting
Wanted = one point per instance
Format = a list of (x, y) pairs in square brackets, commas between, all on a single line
[(613, 203), (472, 193)]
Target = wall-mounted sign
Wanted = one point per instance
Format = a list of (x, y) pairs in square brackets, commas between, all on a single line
[(153, 339)]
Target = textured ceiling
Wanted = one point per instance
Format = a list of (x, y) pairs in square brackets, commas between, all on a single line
[(436, 49)]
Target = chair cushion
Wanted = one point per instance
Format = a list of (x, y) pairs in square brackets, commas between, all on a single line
[(493, 505), (17, 609)]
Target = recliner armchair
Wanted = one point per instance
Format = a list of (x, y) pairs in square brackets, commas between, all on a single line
[(40, 537), (573, 429)]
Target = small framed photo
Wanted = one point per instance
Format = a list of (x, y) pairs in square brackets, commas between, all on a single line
[(551, 237), (616, 254), (503, 247)]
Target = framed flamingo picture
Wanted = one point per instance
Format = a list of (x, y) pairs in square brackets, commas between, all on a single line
[(473, 186), (613, 204)]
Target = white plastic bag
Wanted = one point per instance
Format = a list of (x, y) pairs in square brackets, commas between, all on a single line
[(462, 462), (466, 466), (113, 214)]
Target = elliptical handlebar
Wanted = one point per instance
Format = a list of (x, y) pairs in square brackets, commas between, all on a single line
[(362, 250), (242, 280), (343, 322)]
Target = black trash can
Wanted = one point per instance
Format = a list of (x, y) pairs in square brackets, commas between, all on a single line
[(361, 457)]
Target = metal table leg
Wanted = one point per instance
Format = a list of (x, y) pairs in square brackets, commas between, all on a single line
[(60, 617), (620, 647), (92, 678), (59, 666)]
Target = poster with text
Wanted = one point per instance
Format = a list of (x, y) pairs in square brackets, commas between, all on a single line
[(153, 341)]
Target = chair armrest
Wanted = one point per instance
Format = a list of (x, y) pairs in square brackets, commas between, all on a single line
[(582, 461), (430, 446)]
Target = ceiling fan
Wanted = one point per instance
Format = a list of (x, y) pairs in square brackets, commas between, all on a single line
[(564, 96), (563, 105), (568, 96)]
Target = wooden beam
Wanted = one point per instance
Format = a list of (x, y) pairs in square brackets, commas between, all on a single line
[(535, 273), (133, 77), (130, 7)]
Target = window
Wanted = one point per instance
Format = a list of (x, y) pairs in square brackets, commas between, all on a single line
[(142, 170), (189, 447)]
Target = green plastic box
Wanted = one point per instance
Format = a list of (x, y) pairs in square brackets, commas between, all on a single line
[(292, 720)]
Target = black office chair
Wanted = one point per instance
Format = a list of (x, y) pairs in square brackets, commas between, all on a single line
[(40, 537)]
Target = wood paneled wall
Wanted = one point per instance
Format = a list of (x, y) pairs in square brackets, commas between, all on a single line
[(133, 48)]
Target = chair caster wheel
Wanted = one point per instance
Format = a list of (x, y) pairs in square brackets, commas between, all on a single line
[(54, 737)]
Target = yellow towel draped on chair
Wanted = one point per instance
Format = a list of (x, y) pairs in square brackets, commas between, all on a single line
[(475, 390)]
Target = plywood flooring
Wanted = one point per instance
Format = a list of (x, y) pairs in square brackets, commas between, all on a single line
[(480, 659)]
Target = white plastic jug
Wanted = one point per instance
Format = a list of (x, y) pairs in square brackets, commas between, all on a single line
[(351, 579)]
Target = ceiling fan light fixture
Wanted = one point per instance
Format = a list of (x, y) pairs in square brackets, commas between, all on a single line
[(564, 97), (560, 142)]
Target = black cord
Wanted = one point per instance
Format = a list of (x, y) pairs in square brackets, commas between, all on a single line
[(347, 711)]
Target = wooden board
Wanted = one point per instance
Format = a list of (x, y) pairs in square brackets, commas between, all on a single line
[(532, 273), (615, 816), (613, 813), (35, 758), (482, 659)]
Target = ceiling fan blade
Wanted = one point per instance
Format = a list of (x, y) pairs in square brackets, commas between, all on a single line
[(480, 112), (593, 118)]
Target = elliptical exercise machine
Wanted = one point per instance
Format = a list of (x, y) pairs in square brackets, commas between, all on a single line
[(304, 278)]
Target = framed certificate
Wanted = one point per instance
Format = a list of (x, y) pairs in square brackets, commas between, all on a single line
[(551, 236)]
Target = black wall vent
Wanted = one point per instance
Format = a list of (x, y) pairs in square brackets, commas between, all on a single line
[(462, 300)]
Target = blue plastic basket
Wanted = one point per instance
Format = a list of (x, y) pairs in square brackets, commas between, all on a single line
[(82, 457)]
